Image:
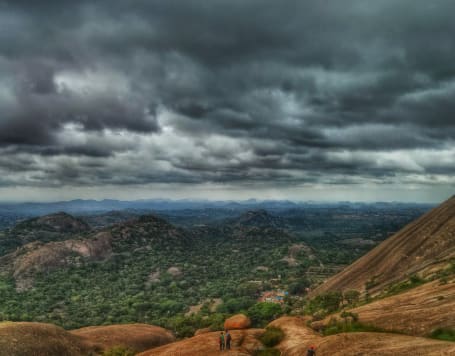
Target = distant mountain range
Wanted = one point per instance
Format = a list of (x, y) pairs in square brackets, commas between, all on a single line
[(88, 206)]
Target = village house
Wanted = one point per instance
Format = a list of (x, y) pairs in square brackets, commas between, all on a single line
[(273, 296)]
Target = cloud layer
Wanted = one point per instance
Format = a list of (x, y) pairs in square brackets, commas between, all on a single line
[(235, 93)]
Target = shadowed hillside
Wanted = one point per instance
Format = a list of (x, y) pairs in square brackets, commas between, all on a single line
[(55, 227)]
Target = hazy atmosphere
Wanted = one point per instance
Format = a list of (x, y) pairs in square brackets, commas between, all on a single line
[(320, 100)]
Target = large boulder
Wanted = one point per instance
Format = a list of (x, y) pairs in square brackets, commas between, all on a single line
[(239, 321)]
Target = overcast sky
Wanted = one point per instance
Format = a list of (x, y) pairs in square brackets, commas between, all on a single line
[(227, 99)]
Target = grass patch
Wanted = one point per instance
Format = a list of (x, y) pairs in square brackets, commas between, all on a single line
[(412, 282), (119, 351), (445, 334), (272, 336), (350, 327), (267, 352)]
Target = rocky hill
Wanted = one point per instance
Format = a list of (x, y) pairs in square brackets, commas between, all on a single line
[(38, 257), (48, 228), (106, 219), (148, 270), (58, 222), (259, 218), (422, 248)]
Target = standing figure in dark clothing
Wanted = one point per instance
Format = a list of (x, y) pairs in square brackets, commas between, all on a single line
[(221, 341), (311, 351), (228, 340)]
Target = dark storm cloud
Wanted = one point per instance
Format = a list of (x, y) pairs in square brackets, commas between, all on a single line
[(291, 85)]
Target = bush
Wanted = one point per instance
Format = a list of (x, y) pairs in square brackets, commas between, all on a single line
[(329, 302), (412, 282), (352, 296), (235, 305), (298, 287), (119, 351), (336, 327), (346, 314), (444, 334), (267, 352), (272, 336)]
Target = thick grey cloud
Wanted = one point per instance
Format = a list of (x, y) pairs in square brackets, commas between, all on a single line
[(226, 92)]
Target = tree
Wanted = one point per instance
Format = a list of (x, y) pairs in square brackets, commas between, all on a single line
[(262, 313), (352, 296)]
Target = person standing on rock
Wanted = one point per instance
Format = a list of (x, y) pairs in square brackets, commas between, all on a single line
[(228, 340), (221, 341), (311, 351)]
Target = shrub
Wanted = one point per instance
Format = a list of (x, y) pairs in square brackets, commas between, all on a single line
[(352, 296), (329, 302), (118, 351), (346, 314), (267, 352), (272, 336), (444, 334), (336, 327)]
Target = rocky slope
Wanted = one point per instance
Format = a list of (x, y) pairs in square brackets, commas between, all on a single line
[(244, 342), (418, 311), (422, 247), (298, 338)]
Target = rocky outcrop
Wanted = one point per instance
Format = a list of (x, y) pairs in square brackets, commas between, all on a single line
[(136, 337), (239, 321), (174, 271), (38, 257), (244, 342)]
